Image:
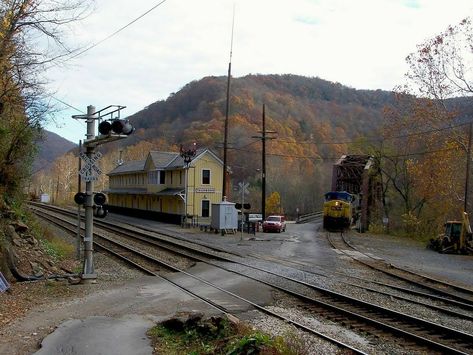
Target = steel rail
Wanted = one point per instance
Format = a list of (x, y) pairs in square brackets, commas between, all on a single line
[(403, 289), (437, 286), (221, 308), (430, 325), (351, 301), (462, 289)]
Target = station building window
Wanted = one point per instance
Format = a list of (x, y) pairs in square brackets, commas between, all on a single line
[(205, 208), (162, 177), (153, 177), (205, 177)]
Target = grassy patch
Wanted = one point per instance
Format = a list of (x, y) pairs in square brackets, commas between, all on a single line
[(58, 288), (57, 248), (54, 246), (196, 336), (377, 228)]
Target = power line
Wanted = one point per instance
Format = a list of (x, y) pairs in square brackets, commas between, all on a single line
[(66, 104), (375, 139), (426, 152), (336, 158), (117, 31)]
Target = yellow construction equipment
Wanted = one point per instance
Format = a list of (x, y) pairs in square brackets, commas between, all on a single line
[(457, 237)]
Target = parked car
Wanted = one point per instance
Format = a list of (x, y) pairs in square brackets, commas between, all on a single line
[(255, 217), (274, 224)]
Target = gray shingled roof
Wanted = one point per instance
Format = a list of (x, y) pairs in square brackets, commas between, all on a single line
[(136, 191), (129, 167), (179, 161), (170, 192), (162, 159), (139, 191)]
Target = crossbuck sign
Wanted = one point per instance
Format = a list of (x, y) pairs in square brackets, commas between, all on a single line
[(244, 187), (90, 171)]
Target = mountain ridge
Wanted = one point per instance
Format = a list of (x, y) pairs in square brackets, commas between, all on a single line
[(50, 146)]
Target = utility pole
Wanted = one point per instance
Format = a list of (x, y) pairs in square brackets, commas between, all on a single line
[(467, 178), (263, 166), (242, 204), (225, 138), (263, 138), (227, 111)]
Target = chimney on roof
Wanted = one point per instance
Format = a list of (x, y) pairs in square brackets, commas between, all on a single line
[(120, 160)]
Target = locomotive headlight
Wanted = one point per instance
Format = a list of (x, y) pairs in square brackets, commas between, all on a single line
[(337, 203)]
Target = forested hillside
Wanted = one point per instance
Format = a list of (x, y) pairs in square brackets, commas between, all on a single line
[(303, 105), (50, 146), (313, 119), (315, 122)]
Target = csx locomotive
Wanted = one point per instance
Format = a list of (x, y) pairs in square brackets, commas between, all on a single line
[(338, 210)]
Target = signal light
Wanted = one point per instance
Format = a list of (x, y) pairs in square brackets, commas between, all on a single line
[(122, 127), (80, 198), (105, 127), (100, 198), (100, 211), (116, 126), (246, 206)]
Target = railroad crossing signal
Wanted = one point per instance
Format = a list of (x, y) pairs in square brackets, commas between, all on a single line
[(244, 187), (90, 171), (116, 126)]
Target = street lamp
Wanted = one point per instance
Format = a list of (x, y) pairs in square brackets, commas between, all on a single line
[(187, 155)]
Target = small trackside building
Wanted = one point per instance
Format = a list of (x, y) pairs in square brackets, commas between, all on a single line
[(163, 188)]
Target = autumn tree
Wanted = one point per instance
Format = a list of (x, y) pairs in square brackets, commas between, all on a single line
[(440, 70), (427, 133), (24, 25), (64, 177), (273, 204)]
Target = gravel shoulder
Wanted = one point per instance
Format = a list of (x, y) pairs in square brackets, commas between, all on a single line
[(32, 310), (417, 257)]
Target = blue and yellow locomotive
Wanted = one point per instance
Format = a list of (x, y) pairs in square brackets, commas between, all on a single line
[(338, 210)]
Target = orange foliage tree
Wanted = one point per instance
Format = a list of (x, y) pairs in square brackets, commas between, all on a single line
[(273, 204), (430, 148)]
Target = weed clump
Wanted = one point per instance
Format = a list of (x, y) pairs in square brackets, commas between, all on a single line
[(194, 334)]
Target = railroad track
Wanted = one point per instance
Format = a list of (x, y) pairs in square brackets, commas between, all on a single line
[(358, 314), (447, 303), (463, 296), (151, 265)]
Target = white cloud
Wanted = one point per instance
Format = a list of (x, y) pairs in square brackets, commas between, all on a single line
[(361, 44)]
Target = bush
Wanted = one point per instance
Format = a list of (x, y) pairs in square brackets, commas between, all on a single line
[(219, 336), (377, 228)]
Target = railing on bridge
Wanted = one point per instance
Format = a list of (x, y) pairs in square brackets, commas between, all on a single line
[(304, 218)]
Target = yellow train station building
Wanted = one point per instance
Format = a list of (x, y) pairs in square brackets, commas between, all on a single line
[(164, 188)]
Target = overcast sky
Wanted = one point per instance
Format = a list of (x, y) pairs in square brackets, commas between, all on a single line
[(358, 43)]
